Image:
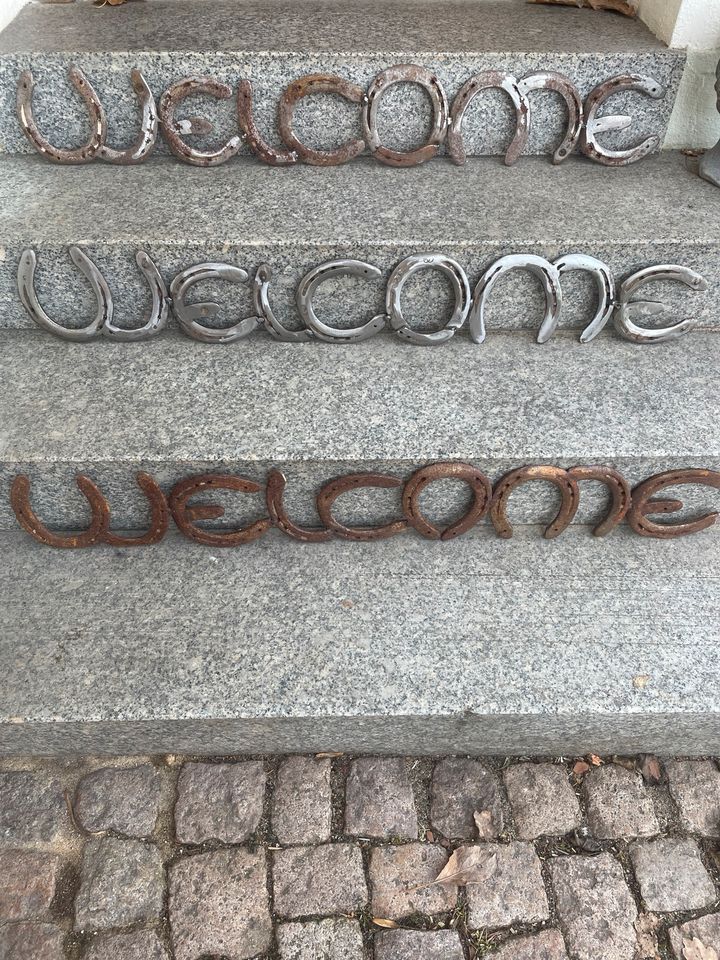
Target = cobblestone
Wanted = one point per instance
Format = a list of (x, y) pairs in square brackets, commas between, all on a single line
[(319, 881), (32, 808), (619, 804), (121, 882), (543, 802), (546, 945), (397, 878), (28, 884), (706, 929), (595, 907), (219, 905), (461, 788), (321, 940), (219, 801), (137, 945), (672, 876), (126, 800), (513, 893), (695, 787), (302, 804), (31, 941), (379, 799), (418, 945)]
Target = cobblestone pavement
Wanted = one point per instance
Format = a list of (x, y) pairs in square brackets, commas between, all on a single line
[(337, 858)]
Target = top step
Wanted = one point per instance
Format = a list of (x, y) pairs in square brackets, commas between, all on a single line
[(274, 42)]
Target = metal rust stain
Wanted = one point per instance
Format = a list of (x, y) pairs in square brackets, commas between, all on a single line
[(620, 494), (307, 86), (331, 491), (567, 486), (643, 505), (421, 479), (488, 80), (147, 137), (274, 490), (31, 523), (170, 100), (185, 515), (260, 147)]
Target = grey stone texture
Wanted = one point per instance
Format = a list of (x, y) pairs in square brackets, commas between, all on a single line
[(31, 941), (32, 808), (321, 940), (318, 881), (125, 800), (379, 800), (219, 801), (218, 904), (618, 803), (695, 787), (513, 893), (121, 882), (672, 876), (413, 944), (29, 884), (461, 788), (401, 881), (136, 945), (706, 929), (595, 906), (543, 802), (302, 801), (546, 945)]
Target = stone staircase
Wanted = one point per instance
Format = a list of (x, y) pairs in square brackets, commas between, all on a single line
[(476, 644)]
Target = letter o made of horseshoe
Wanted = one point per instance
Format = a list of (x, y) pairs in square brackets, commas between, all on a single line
[(189, 314), (593, 125), (168, 104), (478, 482), (303, 87), (661, 271), (461, 289), (306, 290), (405, 73), (546, 272)]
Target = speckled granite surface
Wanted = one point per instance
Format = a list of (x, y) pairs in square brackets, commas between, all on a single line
[(477, 645), (275, 43)]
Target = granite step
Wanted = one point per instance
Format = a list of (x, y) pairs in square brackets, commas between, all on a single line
[(273, 42)]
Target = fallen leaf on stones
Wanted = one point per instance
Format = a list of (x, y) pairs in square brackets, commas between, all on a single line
[(696, 950), (468, 865), (390, 924), (330, 755), (584, 842), (484, 823), (580, 769), (594, 760), (646, 927), (650, 769)]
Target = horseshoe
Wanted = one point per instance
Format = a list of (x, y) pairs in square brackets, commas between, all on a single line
[(605, 286), (189, 315), (98, 123), (642, 504), (421, 479), (261, 284), (274, 490), (487, 80), (159, 517), (594, 125), (331, 491), (147, 138), (619, 494), (29, 521), (168, 104), (185, 516), (548, 80), (28, 296), (461, 288), (306, 86), (566, 484), (312, 280), (157, 320), (626, 307), (405, 73), (260, 147), (549, 277)]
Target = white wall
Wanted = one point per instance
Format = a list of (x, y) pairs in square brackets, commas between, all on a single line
[(8, 9)]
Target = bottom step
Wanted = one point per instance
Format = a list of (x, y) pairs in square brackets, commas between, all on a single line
[(480, 645)]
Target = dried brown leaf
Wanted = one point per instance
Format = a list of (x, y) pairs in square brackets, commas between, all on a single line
[(617, 6), (580, 769), (696, 950), (594, 760), (651, 769), (389, 924), (329, 755), (484, 823), (646, 927), (468, 865)]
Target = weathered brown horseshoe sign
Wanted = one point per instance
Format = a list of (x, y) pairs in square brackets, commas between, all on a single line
[(185, 515), (304, 87)]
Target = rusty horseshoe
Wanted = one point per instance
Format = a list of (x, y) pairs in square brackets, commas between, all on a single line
[(306, 86), (331, 491), (566, 484), (642, 504), (488, 80), (422, 478), (619, 494), (147, 137), (185, 516), (274, 491), (29, 521), (169, 101), (594, 124), (260, 147)]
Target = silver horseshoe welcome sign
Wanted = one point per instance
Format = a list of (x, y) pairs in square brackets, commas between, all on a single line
[(616, 301), (583, 126)]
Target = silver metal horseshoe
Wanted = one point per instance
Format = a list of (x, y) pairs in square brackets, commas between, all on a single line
[(312, 280), (189, 315), (594, 125), (548, 80), (261, 284), (98, 123), (461, 289), (546, 272), (487, 80), (147, 138), (627, 308), (159, 310), (605, 286), (172, 130), (28, 297)]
